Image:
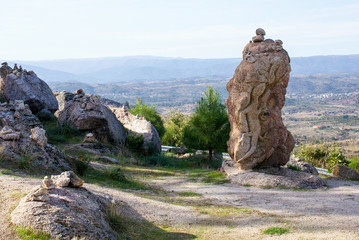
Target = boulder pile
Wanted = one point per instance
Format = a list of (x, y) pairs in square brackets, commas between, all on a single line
[(23, 142)]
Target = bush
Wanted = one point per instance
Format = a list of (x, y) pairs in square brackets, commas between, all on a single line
[(135, 142), (354, 163), (116, 174), (82, 163), (321, 155)]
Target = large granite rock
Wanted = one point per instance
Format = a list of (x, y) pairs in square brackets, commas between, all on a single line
[(258, 137), (18, 84), (86, 113), (64, 212), (23, 143), (140, 126)]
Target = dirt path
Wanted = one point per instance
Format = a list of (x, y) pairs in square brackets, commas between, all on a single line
[(332, 213)]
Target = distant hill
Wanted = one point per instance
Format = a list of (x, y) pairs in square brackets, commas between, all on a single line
[(149, 68)]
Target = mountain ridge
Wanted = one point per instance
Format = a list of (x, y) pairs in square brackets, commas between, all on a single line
[(152, 68)]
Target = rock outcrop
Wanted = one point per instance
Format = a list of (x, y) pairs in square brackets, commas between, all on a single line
[(258, 137), (18, 84), (302, 165), (140, 126), (271, 177), (23, 143), (64, 212), (86, 113), (343, 171)]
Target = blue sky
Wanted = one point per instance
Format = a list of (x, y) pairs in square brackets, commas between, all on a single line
[(56, 29)]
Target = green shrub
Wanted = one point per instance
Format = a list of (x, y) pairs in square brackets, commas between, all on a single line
[(116, 174), (135, 142), (82, 163), (322, 155), (354, 163), (26, 161), (62, 134)]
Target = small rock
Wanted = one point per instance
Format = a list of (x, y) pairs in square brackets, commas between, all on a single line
[(39, 136), (9, 134), (107, 159), (90, 138), (345, 172), (48, 183), (67, 179), (38, 194)]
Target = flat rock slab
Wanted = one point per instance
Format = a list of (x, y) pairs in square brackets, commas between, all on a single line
[(272, 177)]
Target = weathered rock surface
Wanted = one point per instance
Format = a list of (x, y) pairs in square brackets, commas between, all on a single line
[(22, 139), (39, 136), (67, 179), (271, 177), (140, 126), (19, 84), (86, 113), (343, 171), (65, 213), (303, 165), (258, 137)]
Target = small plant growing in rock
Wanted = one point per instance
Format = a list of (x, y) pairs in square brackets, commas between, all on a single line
[(295, 168)]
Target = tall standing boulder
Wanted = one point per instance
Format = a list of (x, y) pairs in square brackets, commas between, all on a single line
[(140, 126), (18, 84), (258, 137), (86, 113)]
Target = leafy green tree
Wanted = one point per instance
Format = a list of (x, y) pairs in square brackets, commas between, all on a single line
[(208, 127), (150, 114), (174, 125)]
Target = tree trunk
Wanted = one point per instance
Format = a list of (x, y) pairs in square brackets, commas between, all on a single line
[(210, 157)]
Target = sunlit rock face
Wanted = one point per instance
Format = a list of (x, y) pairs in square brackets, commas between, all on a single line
[(258, 137)]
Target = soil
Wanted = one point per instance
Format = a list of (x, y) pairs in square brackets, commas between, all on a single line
[(330, 213)]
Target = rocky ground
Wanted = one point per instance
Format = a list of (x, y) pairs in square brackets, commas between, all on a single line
[(188, 208)]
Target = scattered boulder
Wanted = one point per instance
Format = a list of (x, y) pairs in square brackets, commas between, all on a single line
[(107, 159), (258, 137), (271, 177), (343, 171), (67, 179), (23, 140), (86, 113), (140, 126), (19, 84), (89, 138), (302, 165), (65, 212)]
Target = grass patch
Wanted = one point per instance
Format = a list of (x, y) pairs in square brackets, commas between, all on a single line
[(168, 159), (208, 176), (17, 195), (223, 210), (113, 177), (295, 168), (189, 194), (29, 234), (128, 228), (26, 161), (62, 134), (275, 231)]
